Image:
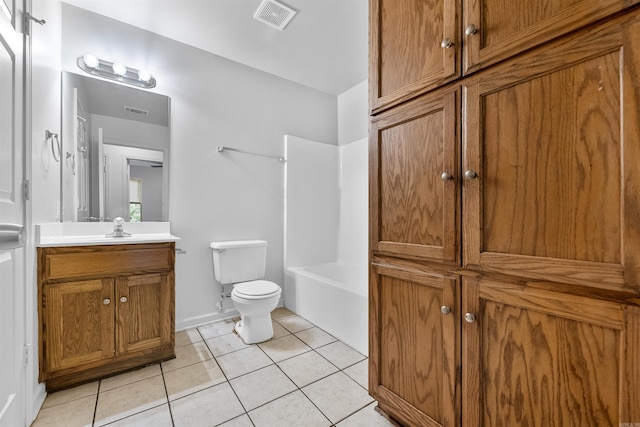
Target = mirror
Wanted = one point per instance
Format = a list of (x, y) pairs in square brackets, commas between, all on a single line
[(115, 151)]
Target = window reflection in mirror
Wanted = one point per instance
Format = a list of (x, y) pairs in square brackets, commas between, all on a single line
[(113, 135)]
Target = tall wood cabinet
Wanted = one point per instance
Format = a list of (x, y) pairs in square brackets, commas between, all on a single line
[(504, 201), (104, 309)]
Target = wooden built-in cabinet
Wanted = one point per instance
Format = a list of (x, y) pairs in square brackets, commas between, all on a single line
[(104, 310), (504, 200)]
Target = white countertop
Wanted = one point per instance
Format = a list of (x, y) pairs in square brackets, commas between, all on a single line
[(94, 233)]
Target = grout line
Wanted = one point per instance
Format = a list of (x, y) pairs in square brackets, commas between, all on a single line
[(166, 393), (95, 408)]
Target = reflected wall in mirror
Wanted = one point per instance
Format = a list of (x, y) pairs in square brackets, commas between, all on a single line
[(115, 160)]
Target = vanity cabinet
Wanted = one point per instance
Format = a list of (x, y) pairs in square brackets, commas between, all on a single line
[(515, 184), (104, 309), (416, 46)]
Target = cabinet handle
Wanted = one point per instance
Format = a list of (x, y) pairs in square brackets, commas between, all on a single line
[(470, 174), (470, 30), (446, 176), (123, 299), (445, 309), (446, 43), (470, 317), (106, 301)]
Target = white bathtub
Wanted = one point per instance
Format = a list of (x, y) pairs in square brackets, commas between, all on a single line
[(334, 297)]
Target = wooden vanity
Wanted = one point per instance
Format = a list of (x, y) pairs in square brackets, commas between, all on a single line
[(104, 309)]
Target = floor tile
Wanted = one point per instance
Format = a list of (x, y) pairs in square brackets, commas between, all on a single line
[(315, 337), (340, 354), (241, 421), (187, 355), (359, 373), (284, 348), (307, 368), (70, 394), (209, 407), (281, 312), (292, 410), (337, 396), (216, 329), (76, 413), (224, 344), (193, 378), (366, 417), (155, 417), (186, 337), (279, 331), (243, 361), (130, 399), (129, 377), (262, 386), (295, 323)]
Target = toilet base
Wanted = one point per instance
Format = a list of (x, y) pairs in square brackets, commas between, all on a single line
[(255, 329)]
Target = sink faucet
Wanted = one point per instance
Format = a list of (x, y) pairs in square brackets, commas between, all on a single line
[(118, 228)]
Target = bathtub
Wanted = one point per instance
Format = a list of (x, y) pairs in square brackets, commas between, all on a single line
[(334, 297)]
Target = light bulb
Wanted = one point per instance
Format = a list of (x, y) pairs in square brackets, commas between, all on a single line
[(119, 69), (144, 76), (91, 61)]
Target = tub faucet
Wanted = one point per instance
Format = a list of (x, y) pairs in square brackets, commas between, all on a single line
[(118, 228)]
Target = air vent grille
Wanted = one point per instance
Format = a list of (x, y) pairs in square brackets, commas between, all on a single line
[(274, 14), (135, 110)]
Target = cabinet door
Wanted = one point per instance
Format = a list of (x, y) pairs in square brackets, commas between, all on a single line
[(78, 326), (413, 209), (552, 138), (506, 27), (414, 345), (144, 313), (545, 358), (407, 56)]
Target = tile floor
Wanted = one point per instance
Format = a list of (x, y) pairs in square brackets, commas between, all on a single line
[(301, 377)]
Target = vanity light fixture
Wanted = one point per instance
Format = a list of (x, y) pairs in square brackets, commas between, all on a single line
[(116, 71)]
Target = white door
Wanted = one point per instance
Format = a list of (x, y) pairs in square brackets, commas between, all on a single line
[(12, 280)]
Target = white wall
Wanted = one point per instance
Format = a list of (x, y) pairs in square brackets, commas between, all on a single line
[(353, 113), (42, 171), (214, 101), (311, 216)]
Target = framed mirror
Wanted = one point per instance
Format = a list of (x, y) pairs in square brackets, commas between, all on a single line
[(115, 152)]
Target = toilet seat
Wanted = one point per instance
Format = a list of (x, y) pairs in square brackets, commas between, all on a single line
[(255, 289)]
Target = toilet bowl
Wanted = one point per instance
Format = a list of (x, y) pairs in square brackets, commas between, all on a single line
[(242, 263), (255, 300)]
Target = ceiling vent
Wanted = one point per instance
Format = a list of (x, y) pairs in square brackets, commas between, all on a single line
[(135, 110), (274, 14)]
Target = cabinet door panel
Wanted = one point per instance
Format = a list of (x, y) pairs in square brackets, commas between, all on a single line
[(414, 353), (144, 315), (505, 27), (79, 323), (551, 199), (413, 208), (546, 358), (405, 45)]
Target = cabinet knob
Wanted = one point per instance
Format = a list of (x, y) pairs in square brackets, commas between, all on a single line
[(446, 176), (123, 299), (445, 309), (470, 30), (470, 174), (106, 301), (446, 43), (470, 317)]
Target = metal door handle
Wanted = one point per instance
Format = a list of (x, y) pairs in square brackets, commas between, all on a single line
[(11, 236), (123, 299)]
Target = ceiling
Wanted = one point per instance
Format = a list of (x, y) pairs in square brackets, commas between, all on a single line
[(324, 46)]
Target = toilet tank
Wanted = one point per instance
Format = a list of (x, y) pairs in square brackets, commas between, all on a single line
[(239, 260)]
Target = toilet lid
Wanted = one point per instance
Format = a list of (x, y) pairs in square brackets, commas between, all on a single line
[(255, 288)]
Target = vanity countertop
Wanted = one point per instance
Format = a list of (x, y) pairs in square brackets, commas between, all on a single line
[(94, 233)]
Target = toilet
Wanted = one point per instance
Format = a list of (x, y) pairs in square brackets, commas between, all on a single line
[(242, 263)]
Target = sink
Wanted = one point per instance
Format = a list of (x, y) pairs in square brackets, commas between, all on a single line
[(95, 233)]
